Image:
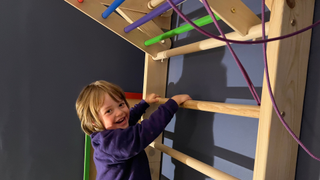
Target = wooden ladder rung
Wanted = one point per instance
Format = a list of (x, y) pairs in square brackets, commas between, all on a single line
[(252, 111), (254, 33), (193, 163)]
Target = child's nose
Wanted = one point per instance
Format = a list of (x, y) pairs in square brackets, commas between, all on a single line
[(119, 112)]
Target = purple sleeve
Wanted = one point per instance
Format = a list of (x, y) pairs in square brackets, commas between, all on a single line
[(122, 144), (137, 111)]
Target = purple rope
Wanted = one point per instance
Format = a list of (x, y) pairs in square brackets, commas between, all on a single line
[(265, 61), (235, 41), (151, 15), (242, 69)]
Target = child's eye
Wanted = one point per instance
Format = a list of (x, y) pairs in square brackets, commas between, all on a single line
[(121, 104), (108, 111)]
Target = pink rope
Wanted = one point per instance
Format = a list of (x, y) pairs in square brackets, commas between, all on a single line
[(264, 57)]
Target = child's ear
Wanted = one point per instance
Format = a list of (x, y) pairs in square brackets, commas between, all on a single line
[(94, 124)]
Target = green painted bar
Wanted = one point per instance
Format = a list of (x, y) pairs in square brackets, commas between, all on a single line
[(199, 22), (87, 148)]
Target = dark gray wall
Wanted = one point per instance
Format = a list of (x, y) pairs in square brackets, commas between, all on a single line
[(308, 168), (48, 52), (223, 141)]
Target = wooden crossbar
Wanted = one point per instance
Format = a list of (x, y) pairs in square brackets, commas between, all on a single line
[(193, 163), (225, 108), (254, 32)]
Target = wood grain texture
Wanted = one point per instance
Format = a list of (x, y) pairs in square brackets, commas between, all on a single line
[(254, 33), (163, 22), (241, 20), (225, 108), (269, 3), (155, 81), (193, 163), (156, 3), (276, 151)]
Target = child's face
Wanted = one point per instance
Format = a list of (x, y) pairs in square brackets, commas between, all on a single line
[(114, 115)]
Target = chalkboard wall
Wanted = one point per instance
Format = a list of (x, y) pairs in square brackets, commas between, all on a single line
[(48, 52)]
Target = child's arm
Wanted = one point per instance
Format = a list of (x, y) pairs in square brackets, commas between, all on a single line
[(122, 144), (139, 109)]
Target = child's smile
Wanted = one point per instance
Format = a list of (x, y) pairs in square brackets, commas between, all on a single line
[(114, 115)]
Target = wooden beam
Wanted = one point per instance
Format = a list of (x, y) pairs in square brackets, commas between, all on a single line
[(116, 24), (132, 5), (225, 108), (155, 81), (269, 3), (276, 152), (235, 13), (163, 22)]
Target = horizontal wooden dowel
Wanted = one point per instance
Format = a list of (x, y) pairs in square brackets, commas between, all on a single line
[(193, 163), (254, 33), (148, 17), (154, 3), (225, 108)]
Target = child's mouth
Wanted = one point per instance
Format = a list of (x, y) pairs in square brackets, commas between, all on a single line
[(120, 121)]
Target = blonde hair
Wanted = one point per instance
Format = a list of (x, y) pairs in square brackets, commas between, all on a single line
[(90, 100)]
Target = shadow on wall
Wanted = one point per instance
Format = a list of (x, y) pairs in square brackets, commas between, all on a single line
[(193, 133), (204, 77)]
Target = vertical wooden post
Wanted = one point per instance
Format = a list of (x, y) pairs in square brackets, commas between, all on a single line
[(155, 81), (276, 152)]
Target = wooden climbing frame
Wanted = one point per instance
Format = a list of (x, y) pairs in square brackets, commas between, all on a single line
[(276, 150)]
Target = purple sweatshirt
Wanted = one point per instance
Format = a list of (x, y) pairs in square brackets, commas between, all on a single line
[(119, 154)]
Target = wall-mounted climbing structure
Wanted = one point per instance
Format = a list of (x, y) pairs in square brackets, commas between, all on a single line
[(288, 60)]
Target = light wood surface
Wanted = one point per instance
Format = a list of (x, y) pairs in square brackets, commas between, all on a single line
[(116, 24), (254, 32), (276, 152), (163, 22), (155, 3), (193, 163), (235, 13), (155, 81), (269, 3), (225, 108)]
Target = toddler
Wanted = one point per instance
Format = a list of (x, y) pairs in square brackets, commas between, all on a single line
[(118, 140)]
